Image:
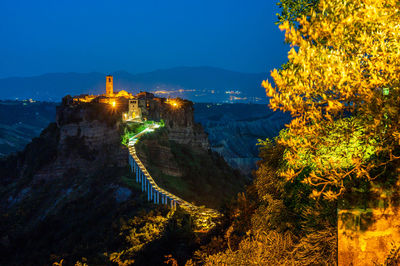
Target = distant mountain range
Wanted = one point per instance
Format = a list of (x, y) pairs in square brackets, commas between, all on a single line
[(53, 86)]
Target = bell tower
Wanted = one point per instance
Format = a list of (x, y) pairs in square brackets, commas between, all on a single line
[(109, 86)]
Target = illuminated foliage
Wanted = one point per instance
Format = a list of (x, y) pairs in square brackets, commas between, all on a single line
[(342, 145), (138, 232), (129, 130), (345, 59), (293, 9), (275, 222)]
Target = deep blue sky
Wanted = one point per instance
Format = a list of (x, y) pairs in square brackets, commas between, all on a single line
[(137, 36)]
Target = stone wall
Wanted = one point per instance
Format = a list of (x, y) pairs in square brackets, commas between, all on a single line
[(365, 237)]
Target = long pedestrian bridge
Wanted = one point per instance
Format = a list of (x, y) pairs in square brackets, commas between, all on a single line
[(203, 218)]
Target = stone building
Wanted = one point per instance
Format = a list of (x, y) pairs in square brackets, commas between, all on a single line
[(109, 86), (134, 112)]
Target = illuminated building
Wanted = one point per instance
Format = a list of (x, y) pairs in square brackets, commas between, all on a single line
[(109, 86), (134, 112)]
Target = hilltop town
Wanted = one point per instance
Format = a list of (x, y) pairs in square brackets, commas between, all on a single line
[(141, 107)]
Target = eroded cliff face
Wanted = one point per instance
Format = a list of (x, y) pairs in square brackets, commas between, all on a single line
[(67, 179), (182, 127), (233, 130), (87, 136), (85, 143), (190, 172), (67, 194)]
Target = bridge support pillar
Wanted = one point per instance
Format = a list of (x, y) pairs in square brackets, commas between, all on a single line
[(134, 170), (137, 173), (151, 191), (143, 183), (133, 167)]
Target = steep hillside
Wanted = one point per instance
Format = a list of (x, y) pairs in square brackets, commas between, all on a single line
[(197, 175), (69, 194)]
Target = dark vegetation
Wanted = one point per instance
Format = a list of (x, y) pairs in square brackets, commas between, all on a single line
[(78, 219), (204, 177), (275, 220), (101, 218), (286, 217)]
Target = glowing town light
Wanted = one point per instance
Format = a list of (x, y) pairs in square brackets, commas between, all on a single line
[(175, 103), (113, 104)]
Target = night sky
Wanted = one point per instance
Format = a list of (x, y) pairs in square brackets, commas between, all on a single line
[(138, 36)]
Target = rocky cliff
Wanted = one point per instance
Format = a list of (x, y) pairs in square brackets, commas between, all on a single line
[(180, 122), (197, 175), (69, 194)]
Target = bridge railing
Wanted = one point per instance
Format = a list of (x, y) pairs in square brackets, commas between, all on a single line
[(158, 195), (154, 193)]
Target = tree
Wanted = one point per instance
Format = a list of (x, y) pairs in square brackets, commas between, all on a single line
[(344, 62), (293, 9)]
